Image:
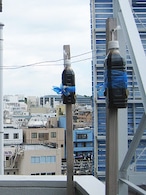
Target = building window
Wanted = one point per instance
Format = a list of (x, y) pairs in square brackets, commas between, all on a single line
[(7, 157), (43, 136), (35, 159), (51, 159), (15, 135), (75, 145), (52, 103), (53, 134), (34, 135), (6, 136), (43, 159), (81, 136), (43, 173), (52, 173), (83, 144)]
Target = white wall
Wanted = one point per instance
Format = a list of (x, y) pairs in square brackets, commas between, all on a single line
[(11, 132)]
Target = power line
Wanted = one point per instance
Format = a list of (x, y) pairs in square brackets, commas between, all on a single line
[(33, 64), (48, 62)]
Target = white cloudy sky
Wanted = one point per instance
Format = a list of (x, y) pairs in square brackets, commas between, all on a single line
[(35, 31)]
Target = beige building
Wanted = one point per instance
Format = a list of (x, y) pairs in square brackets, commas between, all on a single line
[(60, 110), (82, 119), (54, 137), (32, 160)]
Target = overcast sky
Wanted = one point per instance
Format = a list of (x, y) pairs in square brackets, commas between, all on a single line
[(35, 31)]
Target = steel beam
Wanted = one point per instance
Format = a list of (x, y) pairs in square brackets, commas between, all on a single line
[(134, 44), (134, 144), (134, 187)]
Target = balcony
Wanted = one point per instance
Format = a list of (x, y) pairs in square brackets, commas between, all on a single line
[(49, 185)]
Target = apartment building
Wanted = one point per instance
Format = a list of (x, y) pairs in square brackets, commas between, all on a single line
[(54, 100), (82, 116), (12, 135), (52, 137), (32, 159), (83, 143), (14, 105), (40, 160)]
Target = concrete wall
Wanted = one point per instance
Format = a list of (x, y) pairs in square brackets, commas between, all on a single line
[(26, 167), (12, 139), (59, 139), (50, 185)]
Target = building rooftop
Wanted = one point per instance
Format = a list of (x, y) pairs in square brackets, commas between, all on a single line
[(50, 185)]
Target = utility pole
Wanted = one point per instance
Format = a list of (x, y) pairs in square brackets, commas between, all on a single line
[(116, 97), (68, 82), (111, 134)]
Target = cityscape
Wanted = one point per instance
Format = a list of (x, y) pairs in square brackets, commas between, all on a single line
[(37, 126), (108, 128)]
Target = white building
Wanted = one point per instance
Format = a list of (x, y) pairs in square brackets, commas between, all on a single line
[(14, 105), (12, 135)]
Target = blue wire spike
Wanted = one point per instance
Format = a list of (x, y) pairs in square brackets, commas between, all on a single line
[(65, 90), (57, 90)]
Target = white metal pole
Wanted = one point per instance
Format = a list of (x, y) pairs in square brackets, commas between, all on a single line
[(1, 103)]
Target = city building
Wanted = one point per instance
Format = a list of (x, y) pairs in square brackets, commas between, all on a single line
[(82, 116), (40, 150), (15, 105), (42, 117), (83, 143), (34, 159), (52, 137), (100, 11), (40, 160), (32, 101), (21, 120), (12, 135), (54, 100), (83, 152), (15, 110)]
